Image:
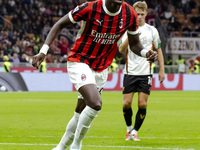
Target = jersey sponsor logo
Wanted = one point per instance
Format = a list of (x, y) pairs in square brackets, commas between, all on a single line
[(103, 38)]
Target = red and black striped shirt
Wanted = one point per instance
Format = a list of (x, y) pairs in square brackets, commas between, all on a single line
[(96, 41)]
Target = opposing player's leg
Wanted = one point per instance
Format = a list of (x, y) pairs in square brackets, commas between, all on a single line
[(127, 112), (144, 86), (129, 88), (68, 136), (141, 114)]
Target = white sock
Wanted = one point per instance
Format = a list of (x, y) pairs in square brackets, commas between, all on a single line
[(85, 120), (68, 136), (129, 128), (134, 132)]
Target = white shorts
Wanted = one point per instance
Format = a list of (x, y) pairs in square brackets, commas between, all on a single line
[(81, 74)]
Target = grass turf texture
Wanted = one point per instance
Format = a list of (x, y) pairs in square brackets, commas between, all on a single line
[(37, 121)]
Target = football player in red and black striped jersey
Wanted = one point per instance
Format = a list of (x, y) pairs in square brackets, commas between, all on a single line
[(103, 24)]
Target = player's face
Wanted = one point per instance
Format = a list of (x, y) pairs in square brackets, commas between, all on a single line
[(141, 16), (118, 2)]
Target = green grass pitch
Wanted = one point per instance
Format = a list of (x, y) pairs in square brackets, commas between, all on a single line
[(37, 121)]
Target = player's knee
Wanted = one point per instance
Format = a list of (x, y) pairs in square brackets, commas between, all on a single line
[(142, 104), (97, 106), (127, 103)]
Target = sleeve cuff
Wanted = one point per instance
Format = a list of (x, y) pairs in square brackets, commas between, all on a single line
[(71, 18), (132, 32)]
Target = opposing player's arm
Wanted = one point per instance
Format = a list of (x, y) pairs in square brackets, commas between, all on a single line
[(124, 46), (160, 59), (157, 45), (161, 65)]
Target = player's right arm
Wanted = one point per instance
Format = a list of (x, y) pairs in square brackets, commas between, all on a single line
[(54, 32), (57, 28), (73, 16)]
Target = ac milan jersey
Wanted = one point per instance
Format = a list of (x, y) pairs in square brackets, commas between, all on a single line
[(96, 41)]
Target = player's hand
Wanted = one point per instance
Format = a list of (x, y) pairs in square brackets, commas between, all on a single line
[(161, 76), (152, 56), (37, 60)]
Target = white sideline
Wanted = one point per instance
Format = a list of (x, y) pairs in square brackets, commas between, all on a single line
[(107, 137), (103, 146)]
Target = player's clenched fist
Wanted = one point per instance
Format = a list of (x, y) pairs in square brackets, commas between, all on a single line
[(152, 56), (37, 60)]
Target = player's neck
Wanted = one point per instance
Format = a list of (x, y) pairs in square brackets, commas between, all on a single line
[(142, 24)]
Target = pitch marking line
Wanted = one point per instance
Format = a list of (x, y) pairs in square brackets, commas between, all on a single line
[(131, 147), (107, 137)]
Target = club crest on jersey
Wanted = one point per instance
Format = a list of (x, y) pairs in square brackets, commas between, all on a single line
[(83, 77), (121, 24), (75, 9)]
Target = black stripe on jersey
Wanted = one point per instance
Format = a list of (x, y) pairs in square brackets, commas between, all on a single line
[(134, 24), (128, 17), (99, 29), (80, 8), (82, 45), (110, 22)]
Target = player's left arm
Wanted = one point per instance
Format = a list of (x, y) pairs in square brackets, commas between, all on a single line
[(157, 44), (161, 65)]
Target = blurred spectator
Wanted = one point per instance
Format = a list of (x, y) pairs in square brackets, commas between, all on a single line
[(1, 55), (42, 67), (192, 4), (168, 14), (196, 67), (49, 58), (23, 58), (64, 60), (186, 30), (169, 61), (180, 60), (6, 64), (113, 68), (191, 68), (181, 64), (16, 48), (64, 46), (15, 58)]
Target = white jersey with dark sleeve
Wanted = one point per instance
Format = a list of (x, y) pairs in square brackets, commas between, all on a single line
[(149, 38)]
